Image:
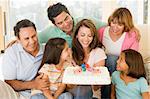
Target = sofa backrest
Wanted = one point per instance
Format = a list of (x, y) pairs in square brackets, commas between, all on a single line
[(145, 39)]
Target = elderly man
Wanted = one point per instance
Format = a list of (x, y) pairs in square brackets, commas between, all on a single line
[(21, 62)]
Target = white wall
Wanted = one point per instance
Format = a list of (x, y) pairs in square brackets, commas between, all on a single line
[(149, 12), (107, 9), (1, 30), (1, 76), (145, 39)]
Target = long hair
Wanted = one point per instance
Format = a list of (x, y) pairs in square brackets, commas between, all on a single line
[(53, 50), (78, 53), (135, 62)]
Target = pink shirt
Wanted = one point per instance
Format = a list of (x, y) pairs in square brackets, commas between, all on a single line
[(129, 42)]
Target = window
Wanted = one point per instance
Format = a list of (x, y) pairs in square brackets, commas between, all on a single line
[(35, 10), (101, 9), (16, 10)]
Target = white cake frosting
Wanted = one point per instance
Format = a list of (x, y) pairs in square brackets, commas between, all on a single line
[(93, 76)]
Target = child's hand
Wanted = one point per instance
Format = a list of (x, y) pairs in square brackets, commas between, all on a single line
[(45, 77)]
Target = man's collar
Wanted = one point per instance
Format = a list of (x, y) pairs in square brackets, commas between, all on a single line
[(41, 50), (20, 48)]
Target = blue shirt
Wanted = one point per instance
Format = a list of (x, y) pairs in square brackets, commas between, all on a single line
[(18, 64), (132, 90)]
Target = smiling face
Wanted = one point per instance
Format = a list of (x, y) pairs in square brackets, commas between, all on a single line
[(28, 39), (121, 63), (65, 22), (116, 28), (84, 37), (121, 16)]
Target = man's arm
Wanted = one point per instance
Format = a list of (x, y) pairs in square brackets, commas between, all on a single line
[(38, 83), (11, 43)]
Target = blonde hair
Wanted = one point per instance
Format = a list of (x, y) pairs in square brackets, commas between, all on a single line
[(122, 16)]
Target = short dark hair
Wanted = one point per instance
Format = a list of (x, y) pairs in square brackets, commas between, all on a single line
[(56, 9), (53, 50), (22, 24), (135, 62)]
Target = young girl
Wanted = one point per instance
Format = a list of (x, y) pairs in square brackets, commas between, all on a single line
[(86, 48), (55, 56), (129, 82)]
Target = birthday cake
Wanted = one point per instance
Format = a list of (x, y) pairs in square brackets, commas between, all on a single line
[(85, 75)]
